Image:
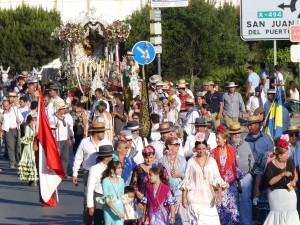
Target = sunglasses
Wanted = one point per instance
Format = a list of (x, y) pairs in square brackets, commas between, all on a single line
[(175, 144), (294, 135)]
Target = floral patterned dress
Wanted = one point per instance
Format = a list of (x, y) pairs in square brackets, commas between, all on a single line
[(228, 208)]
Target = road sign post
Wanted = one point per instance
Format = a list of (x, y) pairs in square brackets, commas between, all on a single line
[(143, 52)]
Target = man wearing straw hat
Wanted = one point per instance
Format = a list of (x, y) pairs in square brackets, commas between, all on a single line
[(261, 144), (233, 104), (294, 144), (182, 81), (85, 156), (245, 162), (62, 134), (191, 116)]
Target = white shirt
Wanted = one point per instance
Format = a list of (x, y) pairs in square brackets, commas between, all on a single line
[(178, 102), (61, 132), (94, 183), (24, 111), (294, 95), (190, 128), (252, 104), (190, 144), (70, 123), (49, 110), (86, 154), (137, 143), (278, 79), (9, 120), (155, 136)]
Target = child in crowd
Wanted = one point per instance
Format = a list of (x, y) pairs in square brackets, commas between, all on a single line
[(159, 199), (113, 189), (132, 212), (205, 110)]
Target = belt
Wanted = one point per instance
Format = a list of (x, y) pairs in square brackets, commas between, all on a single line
[(12, 129)]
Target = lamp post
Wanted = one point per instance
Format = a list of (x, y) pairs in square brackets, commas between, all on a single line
[(156, 31)]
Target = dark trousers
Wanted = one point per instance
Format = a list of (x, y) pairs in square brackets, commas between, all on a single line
[(64, 154), (98, 213), (78, 139), (13, 146)]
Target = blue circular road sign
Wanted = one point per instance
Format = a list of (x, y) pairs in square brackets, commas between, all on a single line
[(143, 52)]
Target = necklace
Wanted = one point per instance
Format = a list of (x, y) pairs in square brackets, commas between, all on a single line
[(282, 169), (202, 166), (116, 192)]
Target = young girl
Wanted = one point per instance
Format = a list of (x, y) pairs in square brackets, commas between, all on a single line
[(159, 199), (27, 168), (113, 189)]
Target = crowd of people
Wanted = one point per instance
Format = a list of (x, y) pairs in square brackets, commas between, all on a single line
[(206, 160)]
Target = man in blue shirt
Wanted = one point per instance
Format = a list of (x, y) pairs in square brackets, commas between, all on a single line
[(252, 81)]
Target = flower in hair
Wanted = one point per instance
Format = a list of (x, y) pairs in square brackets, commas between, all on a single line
[(122, 138), (115, 158), (148, 150), (154, 165), (283, 143), (221, 129)]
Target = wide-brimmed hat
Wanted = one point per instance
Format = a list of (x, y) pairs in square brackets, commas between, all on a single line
[(231, 84), (166, 87), (53, 87), (32, 80), (293, 129), (133, 125), (271, 91), (160, 83), (12, 94), (129, 53), (165, 127), (60, 105), (181, 86), (258, 111), (23, 74), (106, 150), (235, 128), (99, 126), (254, 119), (190, 101), (127, 134), (200, 122), (155, 78), (182, 81)]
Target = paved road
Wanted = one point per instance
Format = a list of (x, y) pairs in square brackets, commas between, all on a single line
[(19, 203)]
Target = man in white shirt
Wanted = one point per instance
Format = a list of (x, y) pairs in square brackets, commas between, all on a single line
[(11, 120), (94, 187), (191, 116), (254, 102), (23, 107), (48, 105), (62, 134), (279, 82), (85, 156), (53, 90), (99, 97), (172, 94), (138, 143)]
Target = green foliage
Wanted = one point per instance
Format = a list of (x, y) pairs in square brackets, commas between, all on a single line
[(283, 56), (196, 38), (25, 37)]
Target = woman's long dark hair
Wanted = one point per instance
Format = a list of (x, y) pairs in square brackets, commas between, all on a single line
[(112, 165)]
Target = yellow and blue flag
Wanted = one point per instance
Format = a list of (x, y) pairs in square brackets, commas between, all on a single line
[(275, 119)]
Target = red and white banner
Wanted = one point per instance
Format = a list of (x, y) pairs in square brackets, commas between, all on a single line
[(51, 170)]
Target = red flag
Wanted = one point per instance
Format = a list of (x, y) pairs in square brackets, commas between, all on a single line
[(51, 171)]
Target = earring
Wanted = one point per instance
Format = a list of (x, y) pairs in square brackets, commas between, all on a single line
[(156, 180), (112, 175)]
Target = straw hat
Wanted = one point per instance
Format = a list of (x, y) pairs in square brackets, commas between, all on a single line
[(258, 111), (236, 128), (271, 91), (181, 86), (254, 119), (23, 74), (165, 127), (160, 83), (155, 78), (166, 87), (190, 101), (231, 84), (60, 105), (293, 129), (12, 94), (210, 83), (97, 127), (182, 81)]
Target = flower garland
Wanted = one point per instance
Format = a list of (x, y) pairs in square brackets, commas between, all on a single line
[(118, 31), (69, 34)]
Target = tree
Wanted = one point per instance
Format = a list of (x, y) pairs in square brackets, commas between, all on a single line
[(25, 37)]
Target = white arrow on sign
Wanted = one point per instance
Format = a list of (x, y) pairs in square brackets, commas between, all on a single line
[(145, 54)]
